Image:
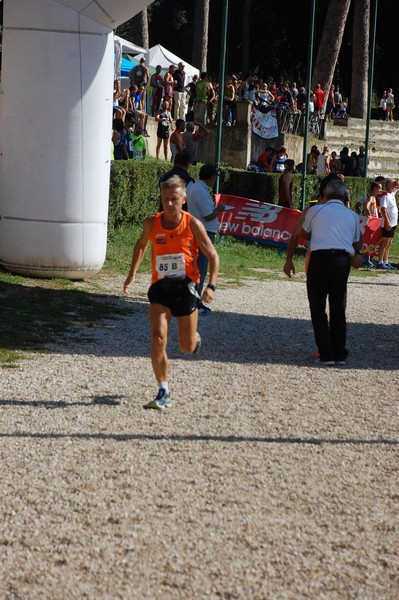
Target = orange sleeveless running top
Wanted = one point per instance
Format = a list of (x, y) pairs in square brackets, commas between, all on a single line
[(174, 252)]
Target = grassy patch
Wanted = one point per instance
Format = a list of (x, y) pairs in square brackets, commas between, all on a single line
[(36, 312)]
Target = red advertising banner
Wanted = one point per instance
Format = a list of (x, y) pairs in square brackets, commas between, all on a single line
[(271, 224), (372, 234), (258, 221)]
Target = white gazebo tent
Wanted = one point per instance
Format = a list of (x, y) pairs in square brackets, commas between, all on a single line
[(158, 55), (122, 46)]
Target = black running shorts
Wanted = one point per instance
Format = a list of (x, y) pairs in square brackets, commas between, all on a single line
[(179, 294), (388, 233)]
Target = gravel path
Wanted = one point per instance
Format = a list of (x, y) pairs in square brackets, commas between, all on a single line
[(269, 477)]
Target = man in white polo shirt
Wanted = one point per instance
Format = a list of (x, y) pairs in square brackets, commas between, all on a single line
[(201, 204), (334, 234), (389, 213)]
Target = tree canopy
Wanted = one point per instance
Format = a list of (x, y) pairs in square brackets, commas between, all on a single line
[(279, 35)]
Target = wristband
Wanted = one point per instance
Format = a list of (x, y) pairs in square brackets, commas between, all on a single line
[(211, 287)]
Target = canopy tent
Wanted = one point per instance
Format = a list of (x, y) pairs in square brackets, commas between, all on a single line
[(122, 46), (158, 55)]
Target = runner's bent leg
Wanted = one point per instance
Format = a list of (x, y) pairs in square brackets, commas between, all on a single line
[(187, 327), (160, 317)]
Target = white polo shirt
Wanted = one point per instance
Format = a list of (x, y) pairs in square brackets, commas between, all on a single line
[(200, 204), (388, 201), (333, 227)]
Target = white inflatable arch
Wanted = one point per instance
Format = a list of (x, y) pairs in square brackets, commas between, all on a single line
[(55, 133)]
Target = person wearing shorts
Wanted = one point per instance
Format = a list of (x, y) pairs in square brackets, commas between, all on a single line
[(389, 213), (176, 237)]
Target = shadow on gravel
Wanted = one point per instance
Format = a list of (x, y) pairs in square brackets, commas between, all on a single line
[(50, 404), (72, 321), (200, 438)]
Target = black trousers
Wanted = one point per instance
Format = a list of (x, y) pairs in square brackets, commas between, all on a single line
[(328, 274)]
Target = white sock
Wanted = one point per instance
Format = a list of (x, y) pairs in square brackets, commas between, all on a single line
[(164, 385)]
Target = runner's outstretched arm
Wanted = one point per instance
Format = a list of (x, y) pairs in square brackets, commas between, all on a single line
[(138, 252)]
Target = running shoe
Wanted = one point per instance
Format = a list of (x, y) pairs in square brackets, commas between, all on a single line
[(367, 263), (324, 363), (381, 265), (199, 342), (390, 267), (163, 400)]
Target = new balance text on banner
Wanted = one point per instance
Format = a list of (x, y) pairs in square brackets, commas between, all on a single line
[(258, 221), (265, 124), (273, 225)]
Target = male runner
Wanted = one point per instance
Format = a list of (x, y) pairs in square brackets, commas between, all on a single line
[(176, 237)]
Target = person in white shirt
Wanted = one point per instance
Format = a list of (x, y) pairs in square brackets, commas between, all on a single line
[(389, 213), (323, 161), (202, 206), (335, 240)]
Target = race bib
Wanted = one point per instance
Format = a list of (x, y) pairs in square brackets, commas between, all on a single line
[(170, 265), (137, 154)]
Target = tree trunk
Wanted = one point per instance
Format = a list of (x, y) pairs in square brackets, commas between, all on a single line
[(330, 45), (360, 59), (136, 29), (200, 41), (246, 37)]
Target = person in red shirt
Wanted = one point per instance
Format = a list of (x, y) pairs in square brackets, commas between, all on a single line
[(319, 98)]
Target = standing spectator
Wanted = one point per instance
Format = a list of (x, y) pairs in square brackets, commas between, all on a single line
[(389, 213), (229, 103), (168, 86), (279, 163), (139, 146), (361, 160), (334, 234), (334, 165), (346, 163), (140, 75), (165, 124), (202, 206), (265, 95), (311, 165), (337, 100), (301, 99), (245, 87), (294, 90), (210, 103), (323, 161), (201, 100), (119, 140), (312, 107), (191, 139), (285, 185), (344, 107), (179, 92), (180, 167), (319, 98), (191, 89), (390, 105), (176, 139), (382, 107), (156, 83), (330, 102), (355, 164)]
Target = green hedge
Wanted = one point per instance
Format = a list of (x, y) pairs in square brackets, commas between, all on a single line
[(134, 188)]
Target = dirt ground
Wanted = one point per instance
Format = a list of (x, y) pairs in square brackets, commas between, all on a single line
[(268, 478)]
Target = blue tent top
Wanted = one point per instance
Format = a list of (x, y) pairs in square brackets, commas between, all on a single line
[(127, 65)]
